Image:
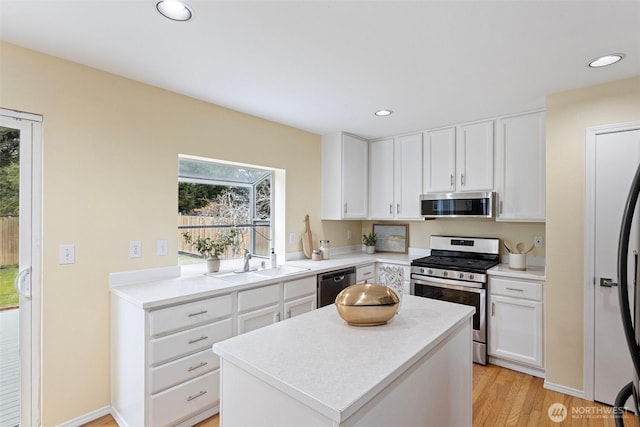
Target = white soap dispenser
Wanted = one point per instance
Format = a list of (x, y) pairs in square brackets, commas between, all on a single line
[(274, 259)]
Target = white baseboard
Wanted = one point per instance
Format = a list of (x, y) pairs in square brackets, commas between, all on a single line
[(87, 418), (566, 390), (536, 372)]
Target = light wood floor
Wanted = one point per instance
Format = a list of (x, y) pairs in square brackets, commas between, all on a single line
[(502, 397)]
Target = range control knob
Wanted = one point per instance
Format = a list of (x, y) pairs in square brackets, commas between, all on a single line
[(429, 271), (471, 277), (445, 274), (461, 275)]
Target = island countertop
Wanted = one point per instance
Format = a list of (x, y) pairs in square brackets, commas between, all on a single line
[(334, 368)]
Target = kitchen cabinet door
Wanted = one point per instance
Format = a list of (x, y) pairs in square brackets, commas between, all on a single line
[(381, 182), (439, 161), (515, 330), (474, 157), (520, 168), (355, 176), (299, 306), (408, 176), (344, 176), (257, 319)]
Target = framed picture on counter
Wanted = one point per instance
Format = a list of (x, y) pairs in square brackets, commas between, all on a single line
[(392, 238)]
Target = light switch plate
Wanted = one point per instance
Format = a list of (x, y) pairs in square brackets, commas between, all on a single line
[(67, 254)]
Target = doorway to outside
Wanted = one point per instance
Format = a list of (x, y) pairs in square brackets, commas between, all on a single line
[(613, 155), (20, 260)]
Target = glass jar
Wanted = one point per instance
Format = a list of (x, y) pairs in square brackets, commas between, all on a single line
[(325, 248)]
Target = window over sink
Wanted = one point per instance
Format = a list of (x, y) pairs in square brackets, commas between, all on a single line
[(216, 197)]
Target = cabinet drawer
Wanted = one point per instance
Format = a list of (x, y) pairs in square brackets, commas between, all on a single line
[(181, 370), (258, 297), (300, 287), (189, 314), (185, 400), (366, 272), (189, 341), (515, 288)]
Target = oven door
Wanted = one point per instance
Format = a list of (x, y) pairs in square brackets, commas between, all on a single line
[(457, 292)]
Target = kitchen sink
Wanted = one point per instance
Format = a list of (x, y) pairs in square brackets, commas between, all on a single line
[(283, 270), (256, 275), (237, 277)]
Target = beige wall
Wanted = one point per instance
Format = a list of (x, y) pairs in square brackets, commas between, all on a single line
[(110, 176), (569, 114), (421, 231)]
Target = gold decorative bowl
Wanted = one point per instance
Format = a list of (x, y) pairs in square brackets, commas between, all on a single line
[(367, 304)]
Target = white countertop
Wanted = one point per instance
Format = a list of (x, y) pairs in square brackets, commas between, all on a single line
[(154, 292), (321, 361), (531, 273)]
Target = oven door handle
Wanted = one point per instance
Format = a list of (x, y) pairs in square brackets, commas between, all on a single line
[(451, 284)]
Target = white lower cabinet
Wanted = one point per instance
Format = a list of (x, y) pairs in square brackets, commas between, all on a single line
[(162, 369), (366, 273), (515, 324), (265, 305), (257, 319), (163, 372)]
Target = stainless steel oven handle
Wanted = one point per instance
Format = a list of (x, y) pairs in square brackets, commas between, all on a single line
[(451, 284)]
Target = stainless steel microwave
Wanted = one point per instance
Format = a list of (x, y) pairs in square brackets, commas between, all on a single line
[(457, 205)]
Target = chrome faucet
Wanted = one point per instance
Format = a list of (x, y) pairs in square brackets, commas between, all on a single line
[(247, 257)]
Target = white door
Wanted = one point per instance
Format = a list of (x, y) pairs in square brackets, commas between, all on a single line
[(617, 156), (26, 131)]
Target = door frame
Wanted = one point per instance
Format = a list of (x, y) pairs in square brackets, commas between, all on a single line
[(30, 337), (592, 134)]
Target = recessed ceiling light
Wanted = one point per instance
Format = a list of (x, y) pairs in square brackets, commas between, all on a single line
[(382, 113), (605, 60), (175, 10)]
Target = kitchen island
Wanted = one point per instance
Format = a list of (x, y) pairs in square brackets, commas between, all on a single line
[(316, 370)]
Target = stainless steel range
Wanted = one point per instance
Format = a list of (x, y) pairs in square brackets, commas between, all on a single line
[(456, 272)]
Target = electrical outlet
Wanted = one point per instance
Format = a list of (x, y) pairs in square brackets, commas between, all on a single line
[(162, 248), (67, 254), (135, 249), (292, 238), (537, 240), (349, 234)]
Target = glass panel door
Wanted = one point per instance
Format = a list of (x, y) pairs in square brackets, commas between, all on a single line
[(20, 232)]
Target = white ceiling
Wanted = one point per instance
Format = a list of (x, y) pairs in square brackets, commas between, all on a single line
[(327, 65)]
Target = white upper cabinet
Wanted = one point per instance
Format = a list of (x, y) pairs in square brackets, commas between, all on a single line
[(459, 159), (381, 168), (439, 160), (344, 176), (520, 168), (395, 177), (474, 157), (408, 176)]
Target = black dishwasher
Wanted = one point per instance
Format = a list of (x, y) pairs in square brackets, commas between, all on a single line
[(332, 282)]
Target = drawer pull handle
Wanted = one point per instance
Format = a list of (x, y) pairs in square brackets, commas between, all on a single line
[(193, 368), (515, 289), (202, 393), (202, 338), (368, 273), (198, 313)]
